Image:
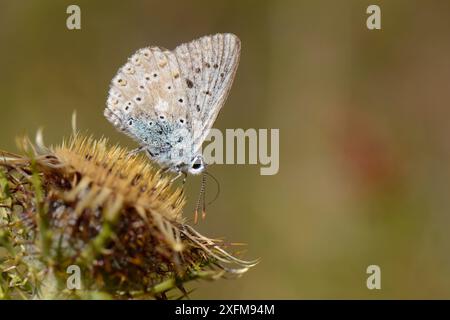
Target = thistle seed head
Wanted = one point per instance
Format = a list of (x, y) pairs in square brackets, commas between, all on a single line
[(87, 204)]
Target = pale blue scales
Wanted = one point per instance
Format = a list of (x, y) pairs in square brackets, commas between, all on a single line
[(165, 140)]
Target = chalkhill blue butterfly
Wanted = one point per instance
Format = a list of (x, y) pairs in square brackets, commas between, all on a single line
[(168, 100)]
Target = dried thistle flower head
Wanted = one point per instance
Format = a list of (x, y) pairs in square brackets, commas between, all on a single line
[(112, 215)]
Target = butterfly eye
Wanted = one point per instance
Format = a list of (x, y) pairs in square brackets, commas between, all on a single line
[(196, 166)]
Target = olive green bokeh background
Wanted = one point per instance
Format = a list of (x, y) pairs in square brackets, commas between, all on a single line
[(364, 119)]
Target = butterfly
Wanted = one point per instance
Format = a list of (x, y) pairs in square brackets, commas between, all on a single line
[(168, 100)]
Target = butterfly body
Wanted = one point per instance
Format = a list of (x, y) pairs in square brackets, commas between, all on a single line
[(168, 100)]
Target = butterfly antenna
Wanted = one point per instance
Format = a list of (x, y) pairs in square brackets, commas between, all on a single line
[(204, 198), (201, 198), (218, 187)]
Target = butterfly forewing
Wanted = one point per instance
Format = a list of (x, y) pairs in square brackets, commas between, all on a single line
[(210, 63)]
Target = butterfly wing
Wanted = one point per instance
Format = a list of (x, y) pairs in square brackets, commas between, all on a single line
[(208, 66), (147, 101)]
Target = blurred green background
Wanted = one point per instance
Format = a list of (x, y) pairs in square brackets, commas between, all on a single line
[(364, 125)]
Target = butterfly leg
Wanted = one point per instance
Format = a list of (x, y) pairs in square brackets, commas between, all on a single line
[(135, 151), (184, 178), (179, 174), (164, 170)]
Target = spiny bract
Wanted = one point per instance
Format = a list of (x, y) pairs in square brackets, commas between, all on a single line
[(90, 205)]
